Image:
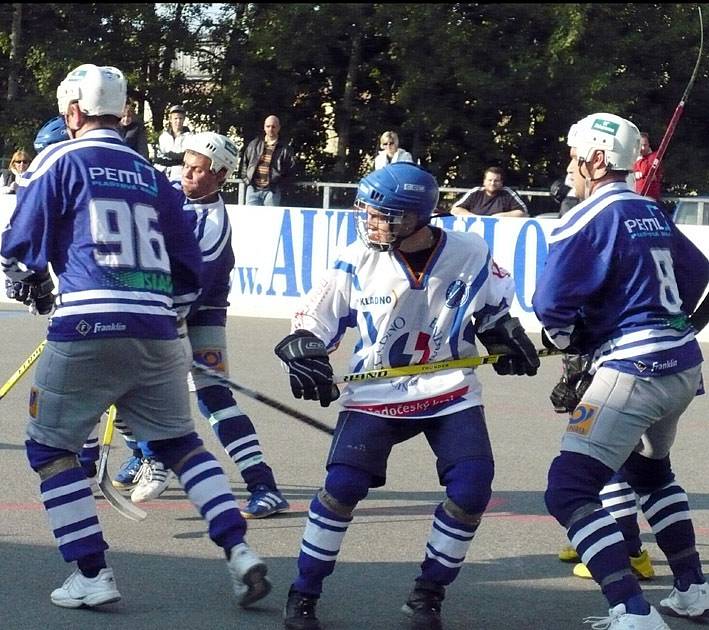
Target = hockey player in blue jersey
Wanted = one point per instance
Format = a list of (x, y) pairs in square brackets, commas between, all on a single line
[(128, 264), (626, 305), (209, 160), (414, 293)]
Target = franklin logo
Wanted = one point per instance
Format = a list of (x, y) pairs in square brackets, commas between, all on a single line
[(640, 366), (83, 328)]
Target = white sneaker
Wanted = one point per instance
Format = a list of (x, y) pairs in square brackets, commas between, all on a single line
[(154, 479), (248, 575), (694, 602), (618, 619), (79, 590)]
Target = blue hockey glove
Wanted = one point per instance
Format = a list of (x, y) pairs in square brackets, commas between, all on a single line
[(308, 366), (508, 338), (34, 291)]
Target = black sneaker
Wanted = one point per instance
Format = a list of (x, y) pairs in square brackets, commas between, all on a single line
[(424, 606), (299, 613)]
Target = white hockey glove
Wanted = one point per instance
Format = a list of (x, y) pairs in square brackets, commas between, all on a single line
[(34, 291), (508, 338), (308, 366)]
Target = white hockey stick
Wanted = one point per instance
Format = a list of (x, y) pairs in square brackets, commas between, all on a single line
[(121, 504)]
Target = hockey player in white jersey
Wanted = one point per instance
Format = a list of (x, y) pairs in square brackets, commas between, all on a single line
[(209, 160), (128, 266), (619, 284), (414, 293)]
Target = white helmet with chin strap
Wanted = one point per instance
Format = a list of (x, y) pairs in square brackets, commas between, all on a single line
[(221, 151), (99, 90), (617, 137)]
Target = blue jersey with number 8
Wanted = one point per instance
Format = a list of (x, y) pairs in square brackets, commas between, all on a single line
[(620, 279)]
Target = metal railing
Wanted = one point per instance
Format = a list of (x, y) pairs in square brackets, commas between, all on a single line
[(325, 190)]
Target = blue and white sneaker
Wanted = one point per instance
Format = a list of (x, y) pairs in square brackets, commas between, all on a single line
[(264, 502), (127, 476)]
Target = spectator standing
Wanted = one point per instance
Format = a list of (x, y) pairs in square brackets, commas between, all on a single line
[(642, 168), (170, 144), (493, 198), (132, 129), (268, 163), (390, 151), (19, 163)]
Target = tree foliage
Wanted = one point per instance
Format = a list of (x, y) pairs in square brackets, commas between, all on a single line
[(466, 85)]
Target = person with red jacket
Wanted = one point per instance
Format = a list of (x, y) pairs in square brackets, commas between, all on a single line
[(642, 168)]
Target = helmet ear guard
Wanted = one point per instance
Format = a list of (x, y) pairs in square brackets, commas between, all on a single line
[(617, 137)]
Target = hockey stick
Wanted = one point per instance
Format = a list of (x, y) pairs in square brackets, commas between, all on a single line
[(677, 115), (106, 443), (122, 505), (266, 400), (426, 368), (20, 372)]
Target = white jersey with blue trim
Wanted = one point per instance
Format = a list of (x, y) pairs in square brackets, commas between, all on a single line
[(402, 319), (114, 232), (213, 232), (620, 280)]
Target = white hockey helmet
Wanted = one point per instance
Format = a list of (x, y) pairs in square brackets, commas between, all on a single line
[(221, 151), (616, 136), (99, 90)]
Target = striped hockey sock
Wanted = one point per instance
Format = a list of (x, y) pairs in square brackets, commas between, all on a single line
[(620, 500), (238, 436), (207, 487), (667, 511), (447, 545), (600, 544), (71, 509), (127, 434), (89, 453), (321, 543)]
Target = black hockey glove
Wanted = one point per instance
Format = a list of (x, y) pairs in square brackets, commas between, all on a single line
[(308, 366), (34, 291), (574, 382), (700, 317), (508, 338)]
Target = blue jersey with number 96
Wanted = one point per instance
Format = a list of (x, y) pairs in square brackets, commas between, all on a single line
[(115, 234)]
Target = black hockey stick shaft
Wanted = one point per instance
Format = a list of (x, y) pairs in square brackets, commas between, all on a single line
[(677, 114), (262, 398)]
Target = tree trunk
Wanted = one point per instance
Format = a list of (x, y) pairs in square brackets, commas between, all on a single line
[(343, 115), (15, 42)]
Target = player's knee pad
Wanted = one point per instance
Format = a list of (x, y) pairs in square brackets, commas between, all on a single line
[(49, 460), (347, 485), (646, 475), (573, 484), (214, 398), (173, 451), (469, 486)]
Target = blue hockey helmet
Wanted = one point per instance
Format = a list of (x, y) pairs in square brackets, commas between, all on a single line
[(54, 130), (396, 191)]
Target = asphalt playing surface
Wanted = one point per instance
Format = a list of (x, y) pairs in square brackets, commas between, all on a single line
[(172, 576)]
